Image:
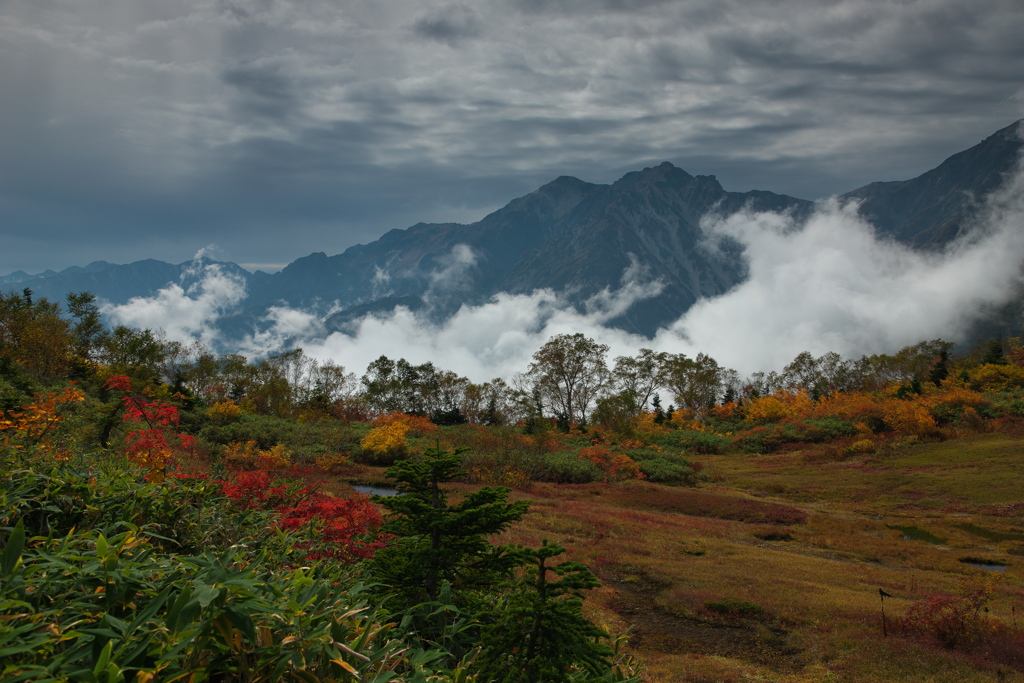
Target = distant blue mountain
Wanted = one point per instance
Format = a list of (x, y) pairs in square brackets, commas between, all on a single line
[(111, 282)]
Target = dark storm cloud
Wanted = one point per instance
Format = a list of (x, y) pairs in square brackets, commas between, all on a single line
[(275, 128), (263, 91), (449, 24)]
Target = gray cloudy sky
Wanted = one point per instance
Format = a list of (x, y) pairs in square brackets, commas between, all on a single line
[(135, 129)]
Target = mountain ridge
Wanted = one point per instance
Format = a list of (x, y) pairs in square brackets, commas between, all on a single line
[(570, 236)]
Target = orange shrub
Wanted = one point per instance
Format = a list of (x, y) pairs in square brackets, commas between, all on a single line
[(616, 466), (33, 425), (415, 424), (908, 417), (726, 411), (855, 406)]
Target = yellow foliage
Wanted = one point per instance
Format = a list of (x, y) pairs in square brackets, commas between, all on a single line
[(418, 425), (387, 438), (726, 411), (248, 456), (991, 377), (768, 409), (862, 446), (849, 405), (224, 411), (647, 427), (331, 462), (33, 425), (908, 417)]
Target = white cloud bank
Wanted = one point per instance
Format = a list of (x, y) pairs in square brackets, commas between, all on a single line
[(831, 285), (184, 313)]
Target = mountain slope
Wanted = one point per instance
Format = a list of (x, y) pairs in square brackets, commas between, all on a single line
[(569, 236), (118, 283), (934, 208)]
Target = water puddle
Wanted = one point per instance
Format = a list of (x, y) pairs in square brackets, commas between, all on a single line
[(913, 533), (987, 565), (375, 491)]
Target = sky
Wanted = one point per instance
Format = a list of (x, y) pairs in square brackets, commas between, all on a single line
[(265, 130)]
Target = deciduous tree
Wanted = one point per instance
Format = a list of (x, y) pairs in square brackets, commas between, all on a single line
[(570, 372)]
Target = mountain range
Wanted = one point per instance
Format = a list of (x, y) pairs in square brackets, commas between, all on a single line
[(574, 237)]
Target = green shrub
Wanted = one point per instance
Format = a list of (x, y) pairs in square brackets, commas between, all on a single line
[(183, 516), (696, 442), (732, 607), (89, 607), (305, 440), (568, 468), (828, 429)]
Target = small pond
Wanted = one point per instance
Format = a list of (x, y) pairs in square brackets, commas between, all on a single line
[(375, 491), (913, 533), (987, 565)]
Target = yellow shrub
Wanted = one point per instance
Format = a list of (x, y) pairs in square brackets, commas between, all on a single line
[(991, 377), (416, 424), (248, 456), (768, 409), (331, 462), (224, 411), (862, 446), (388, 438), (908, 417)]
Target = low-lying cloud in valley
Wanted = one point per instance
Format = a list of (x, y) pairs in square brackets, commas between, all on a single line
[(828, 285)]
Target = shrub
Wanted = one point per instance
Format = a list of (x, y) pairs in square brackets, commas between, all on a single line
[(568, 468), (953, 620), (993, 378), (386, 442), (417, 425), (331, 462), (224, 411), (615, 466), (92, 607), (731, 607), (767, 409), (697, 442), (862, 446), (248, 456), (830, 428), (908, 417), (669, 471), (763, 439)]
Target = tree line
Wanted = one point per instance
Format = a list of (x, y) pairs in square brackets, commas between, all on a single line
[(570, 378)]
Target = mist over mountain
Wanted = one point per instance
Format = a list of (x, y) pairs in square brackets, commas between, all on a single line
[(636, 256)]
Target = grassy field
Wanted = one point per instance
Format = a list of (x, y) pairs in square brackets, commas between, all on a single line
[(772, 571)]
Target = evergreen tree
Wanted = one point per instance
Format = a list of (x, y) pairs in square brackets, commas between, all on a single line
[(435, 542), (540, 634)]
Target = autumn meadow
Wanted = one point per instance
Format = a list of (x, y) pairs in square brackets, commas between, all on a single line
[(168, 514)]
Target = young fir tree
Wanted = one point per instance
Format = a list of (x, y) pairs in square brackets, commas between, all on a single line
[(435, 542), (540, 634)]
